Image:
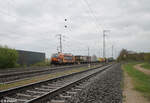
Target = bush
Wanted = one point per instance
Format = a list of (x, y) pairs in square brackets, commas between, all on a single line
[(44, 63), (8, 57), (147, 57)]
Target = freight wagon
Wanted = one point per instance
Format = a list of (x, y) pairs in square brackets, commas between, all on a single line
[(82, 59)]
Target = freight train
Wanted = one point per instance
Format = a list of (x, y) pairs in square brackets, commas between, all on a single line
[(67, 58)]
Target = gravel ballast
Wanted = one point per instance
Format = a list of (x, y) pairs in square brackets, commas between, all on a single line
[(104, 88)]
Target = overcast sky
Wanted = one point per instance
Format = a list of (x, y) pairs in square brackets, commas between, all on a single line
[(34, 24)]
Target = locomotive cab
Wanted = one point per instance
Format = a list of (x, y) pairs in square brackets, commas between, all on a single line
[(54, 58)]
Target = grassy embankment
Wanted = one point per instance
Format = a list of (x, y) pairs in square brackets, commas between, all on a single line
[(146, 65), (141, 81), (40, 78)]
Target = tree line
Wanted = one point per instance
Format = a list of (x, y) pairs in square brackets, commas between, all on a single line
[(126, 55)]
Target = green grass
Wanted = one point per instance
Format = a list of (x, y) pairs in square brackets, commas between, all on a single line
[(141, 81), (146, 65)]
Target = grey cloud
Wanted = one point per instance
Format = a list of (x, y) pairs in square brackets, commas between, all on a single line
[(34, 24)]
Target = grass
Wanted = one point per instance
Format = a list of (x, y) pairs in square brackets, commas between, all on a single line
[(146, 65), (40, 78), (141, 81)]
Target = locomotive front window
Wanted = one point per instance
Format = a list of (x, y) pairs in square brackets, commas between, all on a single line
[(55, 55)]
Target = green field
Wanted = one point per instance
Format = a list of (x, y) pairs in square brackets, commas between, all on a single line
[(146, 65), (141, 81)]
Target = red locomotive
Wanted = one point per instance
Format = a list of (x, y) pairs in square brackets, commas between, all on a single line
[(62, 58)]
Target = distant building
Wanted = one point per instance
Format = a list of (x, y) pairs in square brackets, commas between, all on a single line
[(131, 52), (29, 57)]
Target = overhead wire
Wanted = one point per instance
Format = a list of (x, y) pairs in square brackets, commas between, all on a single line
[(99, 27), (94, 16)]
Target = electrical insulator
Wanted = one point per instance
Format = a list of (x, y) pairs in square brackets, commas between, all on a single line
[(65, 26)]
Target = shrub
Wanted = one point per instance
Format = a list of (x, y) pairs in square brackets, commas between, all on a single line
[(147, 57), (8, 57), (44, 63)]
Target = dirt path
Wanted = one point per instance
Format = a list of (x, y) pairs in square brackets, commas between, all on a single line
[(146, 71), (130, 95)]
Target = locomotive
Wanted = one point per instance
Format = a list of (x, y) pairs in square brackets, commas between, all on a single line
[(62, 58)]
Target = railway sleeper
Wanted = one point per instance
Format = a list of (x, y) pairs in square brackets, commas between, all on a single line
[(64, 96), (71, 92), (61, 98), (57, 101), (76, 89), (49, 87), (14, 100), (59, 83), (54, 85), (33, 94), (24, 95), (43, 89), (36, 92), (79, 86), (27, 95)]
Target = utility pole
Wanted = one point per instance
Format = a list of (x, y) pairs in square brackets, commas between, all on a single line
[(104, 44), (112, 51), (57, 49), (89, 57), (60, 42), (88, 52)]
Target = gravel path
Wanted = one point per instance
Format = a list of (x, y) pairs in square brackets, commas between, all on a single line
[(131, 95), (146, 71), (104, 88)]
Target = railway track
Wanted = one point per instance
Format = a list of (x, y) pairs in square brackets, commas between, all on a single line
[(36, 68), (17, 70), (55, 90), (11, 77)]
